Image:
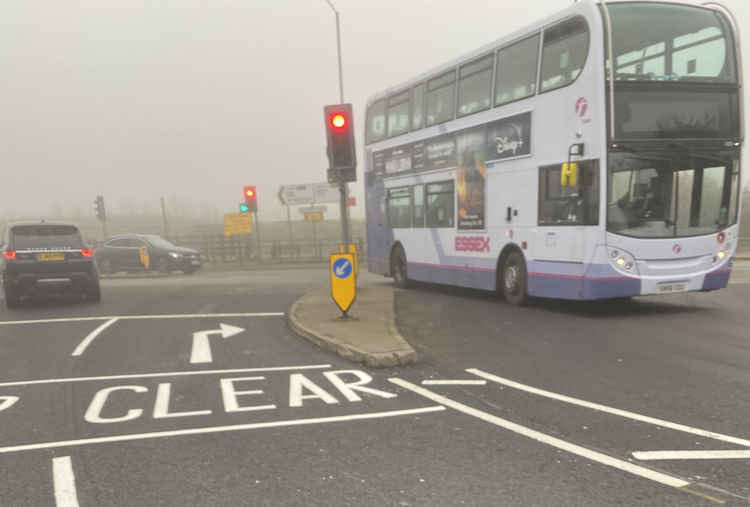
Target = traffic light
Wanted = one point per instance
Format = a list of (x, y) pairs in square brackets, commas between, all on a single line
[(251, 198), (342, 156), (244, 208), (101, 212)]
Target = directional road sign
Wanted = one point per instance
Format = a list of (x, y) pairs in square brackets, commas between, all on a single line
[(295, 195), (352, 249), (343, 281)]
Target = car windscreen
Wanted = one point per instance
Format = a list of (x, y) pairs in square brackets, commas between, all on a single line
[(26, 237)]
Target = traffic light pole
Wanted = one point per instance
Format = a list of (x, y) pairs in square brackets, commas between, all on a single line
[(343, 187)]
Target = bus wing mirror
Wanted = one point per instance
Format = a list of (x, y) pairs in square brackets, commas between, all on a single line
[(569, 174)]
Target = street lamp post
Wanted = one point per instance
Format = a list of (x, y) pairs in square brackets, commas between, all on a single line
[(343, 187)]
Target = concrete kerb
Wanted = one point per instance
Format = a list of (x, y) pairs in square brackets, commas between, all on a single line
[(399, 352)]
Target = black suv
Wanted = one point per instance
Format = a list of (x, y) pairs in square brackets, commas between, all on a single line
[(43, 257), (137, 252)]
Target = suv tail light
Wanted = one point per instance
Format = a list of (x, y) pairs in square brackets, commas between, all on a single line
[(87, 252), (10, 254)]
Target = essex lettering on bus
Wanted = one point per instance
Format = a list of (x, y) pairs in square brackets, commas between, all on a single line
[(472, 244)]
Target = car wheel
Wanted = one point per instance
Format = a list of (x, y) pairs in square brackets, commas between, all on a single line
[(106, 267), (12, 300), (514, 279), (94, 293), (399, 268)]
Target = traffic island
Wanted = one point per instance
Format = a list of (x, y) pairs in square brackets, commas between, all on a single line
[(369, 336)]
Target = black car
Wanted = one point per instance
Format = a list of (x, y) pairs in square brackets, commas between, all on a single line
[(41, 258), (138, 252)]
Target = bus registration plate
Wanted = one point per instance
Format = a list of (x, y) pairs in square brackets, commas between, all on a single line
[(670, 288)]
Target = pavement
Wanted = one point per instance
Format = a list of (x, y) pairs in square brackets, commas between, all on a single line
[(194, 391), (368, 335)]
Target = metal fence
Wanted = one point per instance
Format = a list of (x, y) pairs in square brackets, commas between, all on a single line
[(218, 249)]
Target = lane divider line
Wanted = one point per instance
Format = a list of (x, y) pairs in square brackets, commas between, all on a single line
[(141, 317), (166, 374), (625, 466), (217, 429), (81, 348), (610, 410), (64, 482), (669, 455), (454, 382)]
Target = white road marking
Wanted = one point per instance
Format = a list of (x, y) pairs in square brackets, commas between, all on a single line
[(201, 351), (658, 455), (610, 410), (64, 481), (454, 382), (142, 317), (7, 402), (166, 374), (81, 348), (217, 429), (598, 457)]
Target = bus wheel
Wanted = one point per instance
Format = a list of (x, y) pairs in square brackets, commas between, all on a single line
[(514, 279), (399, 268)]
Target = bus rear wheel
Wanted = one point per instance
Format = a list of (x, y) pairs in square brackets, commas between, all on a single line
[(514, 279), (399, 269)]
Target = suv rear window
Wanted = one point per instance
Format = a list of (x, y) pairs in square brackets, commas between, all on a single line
[(25, 237)]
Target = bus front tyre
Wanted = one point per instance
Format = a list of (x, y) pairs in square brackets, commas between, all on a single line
[(514, 279), (399, 269)]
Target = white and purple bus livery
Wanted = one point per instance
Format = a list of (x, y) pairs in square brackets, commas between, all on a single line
[(534, 167)]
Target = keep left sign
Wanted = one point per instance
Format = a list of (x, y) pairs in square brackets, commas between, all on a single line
[(343, 281)]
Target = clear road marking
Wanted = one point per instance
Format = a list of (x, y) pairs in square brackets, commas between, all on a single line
[(217, 429), (64, 482), (81, 348), (454, 382), (166, 374), (142, 317), (610, 410), (201, 352), (598, 457), (667, 455)]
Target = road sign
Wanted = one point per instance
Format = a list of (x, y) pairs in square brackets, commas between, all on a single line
[(343, 280), (312, 209), (313, 216), (143, 254), (295, 195), (238, 224), (325, 192), (352, 250)]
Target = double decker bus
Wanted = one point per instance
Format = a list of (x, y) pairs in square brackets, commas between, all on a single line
[(594, 154)]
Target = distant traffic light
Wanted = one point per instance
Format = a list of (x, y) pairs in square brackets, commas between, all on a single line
[(99, 210), (251, 198), (342, 156)]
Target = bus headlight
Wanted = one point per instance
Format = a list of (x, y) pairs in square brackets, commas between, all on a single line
[(721, 254), (622, 261)]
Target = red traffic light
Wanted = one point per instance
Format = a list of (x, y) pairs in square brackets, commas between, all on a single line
[(338, 121), (249, 192), (251, 198)]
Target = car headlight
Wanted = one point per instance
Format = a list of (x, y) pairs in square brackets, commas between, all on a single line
[(175, 255)]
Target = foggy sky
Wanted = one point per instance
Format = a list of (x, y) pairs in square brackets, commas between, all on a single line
[(192, 99)]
